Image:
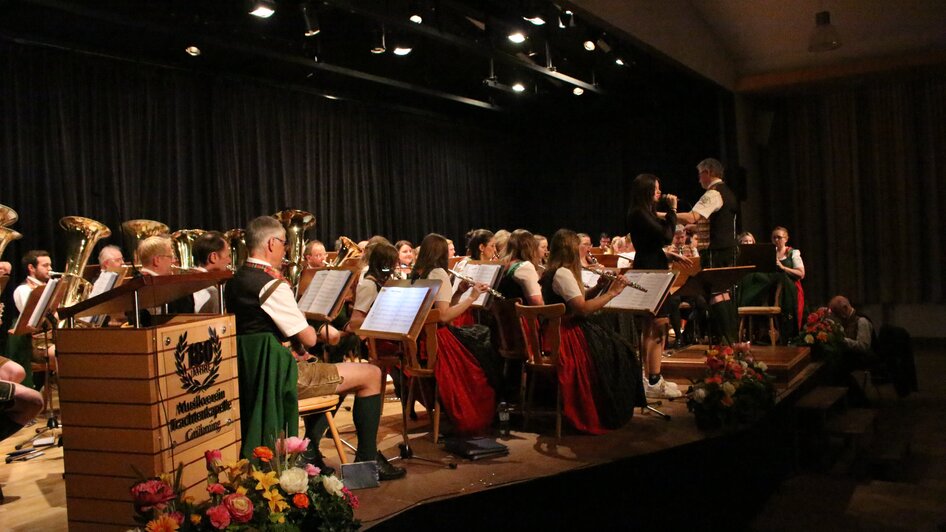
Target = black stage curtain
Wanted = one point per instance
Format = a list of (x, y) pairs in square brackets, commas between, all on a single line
[(114, 141), (858, 175)]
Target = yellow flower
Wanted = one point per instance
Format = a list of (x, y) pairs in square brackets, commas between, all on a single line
[(165, 523), (276, 501), (167, 478), (236, 470), (241, 490), (265, 480), (195, 519)]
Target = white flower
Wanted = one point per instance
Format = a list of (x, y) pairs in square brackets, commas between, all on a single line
[(761, 366), (332, 485), (294, 480), (699, 395), (743, 364), (728, 388)]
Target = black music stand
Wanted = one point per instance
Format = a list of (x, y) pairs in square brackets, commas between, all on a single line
[(713, 281), (762, 256)]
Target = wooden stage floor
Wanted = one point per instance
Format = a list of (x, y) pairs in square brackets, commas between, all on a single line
[(35, 490)]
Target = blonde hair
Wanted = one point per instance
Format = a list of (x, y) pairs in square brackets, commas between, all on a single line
[(152, 247)]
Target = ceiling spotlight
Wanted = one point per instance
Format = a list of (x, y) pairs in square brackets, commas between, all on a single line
[(379, 46), (538, 21), (192, 50), (517, 37), (402, 50), (619, 62), (518, 87), (263, 8), (416, 19), (312, 27), (589, 45), (603, 45), (566, 19), (416, 12), (824, 37)]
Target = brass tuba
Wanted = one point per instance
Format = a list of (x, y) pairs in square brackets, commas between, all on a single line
[(184, 247), (135, 231), (81, 236), (347, 250), (238, 252), (296, 223), (8, 217)]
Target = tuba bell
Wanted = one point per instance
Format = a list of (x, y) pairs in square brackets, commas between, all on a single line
[(238, 252), (296, 223), (184, 247), (8, 217), (81, 236), (135, 231), (347, 250)]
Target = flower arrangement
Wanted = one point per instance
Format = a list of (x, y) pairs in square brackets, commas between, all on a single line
[(273, 491), (822, 333), (734, 390)]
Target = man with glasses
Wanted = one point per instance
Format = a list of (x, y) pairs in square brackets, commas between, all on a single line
[(267, 316)]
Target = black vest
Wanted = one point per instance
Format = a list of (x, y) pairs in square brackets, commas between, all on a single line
[(242, 295), (508, 286), (723, 221)]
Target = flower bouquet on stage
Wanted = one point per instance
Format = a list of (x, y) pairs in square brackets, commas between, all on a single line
[(823, 334), (735, 389), (275, 490)]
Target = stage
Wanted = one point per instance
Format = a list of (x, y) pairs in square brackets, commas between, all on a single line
[(647, 469)]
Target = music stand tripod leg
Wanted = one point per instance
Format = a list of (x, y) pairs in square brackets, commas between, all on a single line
[(406, 453)]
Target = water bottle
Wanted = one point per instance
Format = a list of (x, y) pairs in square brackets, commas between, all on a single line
[(504, 419)]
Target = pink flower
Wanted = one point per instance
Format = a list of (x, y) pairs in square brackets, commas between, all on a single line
[(177, 516), (292, 445), (152, 494), (219, 516), (216, 489), (351, 498), (240, 507), (312, 470), (214, 459)]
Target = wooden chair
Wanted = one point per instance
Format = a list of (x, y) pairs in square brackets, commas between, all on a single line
[(542, 332), (771, 312), (324, 404), (508, 335)]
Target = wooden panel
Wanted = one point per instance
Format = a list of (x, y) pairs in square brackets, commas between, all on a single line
[(119, 440), (77, 526), (120, 365), (113, 464), (98, 511), (105, 340), (110, 415), (121, 391), (784, 362)]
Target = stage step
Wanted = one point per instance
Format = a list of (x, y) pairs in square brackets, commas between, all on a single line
[(822, 398), (888, 454), (898, 506), (852, 422)]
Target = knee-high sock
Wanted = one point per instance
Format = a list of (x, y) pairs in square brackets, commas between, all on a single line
[(9, 428), (366, 415), (723, 316)]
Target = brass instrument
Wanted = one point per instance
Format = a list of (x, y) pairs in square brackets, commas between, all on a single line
[(135, 231), (611, 276), (8, 217), (238, 252), (81, 237), (348, 250), (184, 247), (296, 223), (492, 291)]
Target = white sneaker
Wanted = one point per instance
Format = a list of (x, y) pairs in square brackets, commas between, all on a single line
[(662, 390)]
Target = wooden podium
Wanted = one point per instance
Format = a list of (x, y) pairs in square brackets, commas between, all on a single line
[(149, 398)]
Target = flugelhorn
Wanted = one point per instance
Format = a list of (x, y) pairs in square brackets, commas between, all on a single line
[(81, 236), (135, 231), (296, 223), (492, 291), (348, 250), (184, 247), (611, 276)]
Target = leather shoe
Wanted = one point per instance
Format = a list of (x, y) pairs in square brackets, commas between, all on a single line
[(386, 471), (318, 461)]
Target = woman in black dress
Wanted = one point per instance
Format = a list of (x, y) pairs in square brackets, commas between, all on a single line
[(650, 233)]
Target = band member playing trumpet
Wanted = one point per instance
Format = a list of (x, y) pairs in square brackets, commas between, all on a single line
[(315, 254), (263, 304), (38, 268), (600, 374), (650, 234), (584, 251)]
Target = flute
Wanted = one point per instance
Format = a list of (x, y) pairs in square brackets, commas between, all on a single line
[(607, 274), (493, 292)]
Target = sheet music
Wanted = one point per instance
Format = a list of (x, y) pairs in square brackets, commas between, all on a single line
[(589, 278), (481, 273), (43, 302), (395, 309), (656, 283), (104, 283), (324, 290)]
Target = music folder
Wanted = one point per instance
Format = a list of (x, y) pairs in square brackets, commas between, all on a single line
[(399, 311), (324, 296), (762, 256), (43, 299), (656, 282), (486, 272), (713, 280)]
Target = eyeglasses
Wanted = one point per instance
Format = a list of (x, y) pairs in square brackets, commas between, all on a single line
[(284, 242)]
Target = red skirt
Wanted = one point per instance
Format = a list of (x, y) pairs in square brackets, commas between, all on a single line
[(576, 377), (465, 319), (465, 393)]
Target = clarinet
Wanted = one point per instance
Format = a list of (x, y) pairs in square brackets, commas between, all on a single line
[(492, 291), (611, 276)]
